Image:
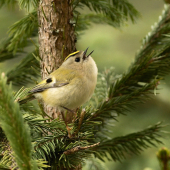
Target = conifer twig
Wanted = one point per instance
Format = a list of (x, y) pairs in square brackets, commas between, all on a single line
[(78, 148), (81, 119)]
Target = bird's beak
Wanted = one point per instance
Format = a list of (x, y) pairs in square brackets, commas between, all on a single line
[(84, 54)]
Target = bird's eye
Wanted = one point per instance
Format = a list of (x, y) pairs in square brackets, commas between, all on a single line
[(77, 59), (49, 80)]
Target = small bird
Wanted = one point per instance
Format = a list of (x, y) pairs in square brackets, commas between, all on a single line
[(70, 86)]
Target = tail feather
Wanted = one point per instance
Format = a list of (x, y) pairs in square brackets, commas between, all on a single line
[(26, 99)]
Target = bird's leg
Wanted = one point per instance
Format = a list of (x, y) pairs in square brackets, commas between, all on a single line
[(67, 127), (67, 109), (73, 112)]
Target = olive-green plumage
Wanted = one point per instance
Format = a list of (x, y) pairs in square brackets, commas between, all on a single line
[(71, 85)]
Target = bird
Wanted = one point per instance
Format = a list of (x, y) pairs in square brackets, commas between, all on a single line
[(70, 86)]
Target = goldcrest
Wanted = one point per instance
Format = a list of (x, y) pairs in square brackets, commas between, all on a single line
[(71, 85)]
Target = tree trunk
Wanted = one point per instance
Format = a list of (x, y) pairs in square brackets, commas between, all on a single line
[(56, 39), (56, 36), (56, 33)]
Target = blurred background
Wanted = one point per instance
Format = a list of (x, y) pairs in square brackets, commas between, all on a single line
[(117, 48)]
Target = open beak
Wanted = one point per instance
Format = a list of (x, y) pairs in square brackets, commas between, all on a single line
[(84, 54)]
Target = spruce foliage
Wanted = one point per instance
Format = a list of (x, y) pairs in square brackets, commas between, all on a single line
[(21, 30), (36, 142), (23, 73), (17, 132)]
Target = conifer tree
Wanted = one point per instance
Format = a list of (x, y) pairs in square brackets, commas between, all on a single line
[(34, 137)]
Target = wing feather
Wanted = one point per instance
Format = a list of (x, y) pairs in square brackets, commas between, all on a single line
[(44, 85), (58, 78)]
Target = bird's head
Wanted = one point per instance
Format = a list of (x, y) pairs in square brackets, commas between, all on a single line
[(79, 60)]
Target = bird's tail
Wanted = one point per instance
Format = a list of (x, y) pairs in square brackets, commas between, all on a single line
[(26, 99)]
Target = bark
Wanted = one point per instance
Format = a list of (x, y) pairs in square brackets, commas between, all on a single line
[(56, 39), (56, 36), (56, 33)]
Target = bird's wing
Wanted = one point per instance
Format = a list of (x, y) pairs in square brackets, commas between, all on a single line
[(58, 78), (48, 83)]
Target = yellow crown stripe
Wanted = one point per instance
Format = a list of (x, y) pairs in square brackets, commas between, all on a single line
[(71, 55)]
